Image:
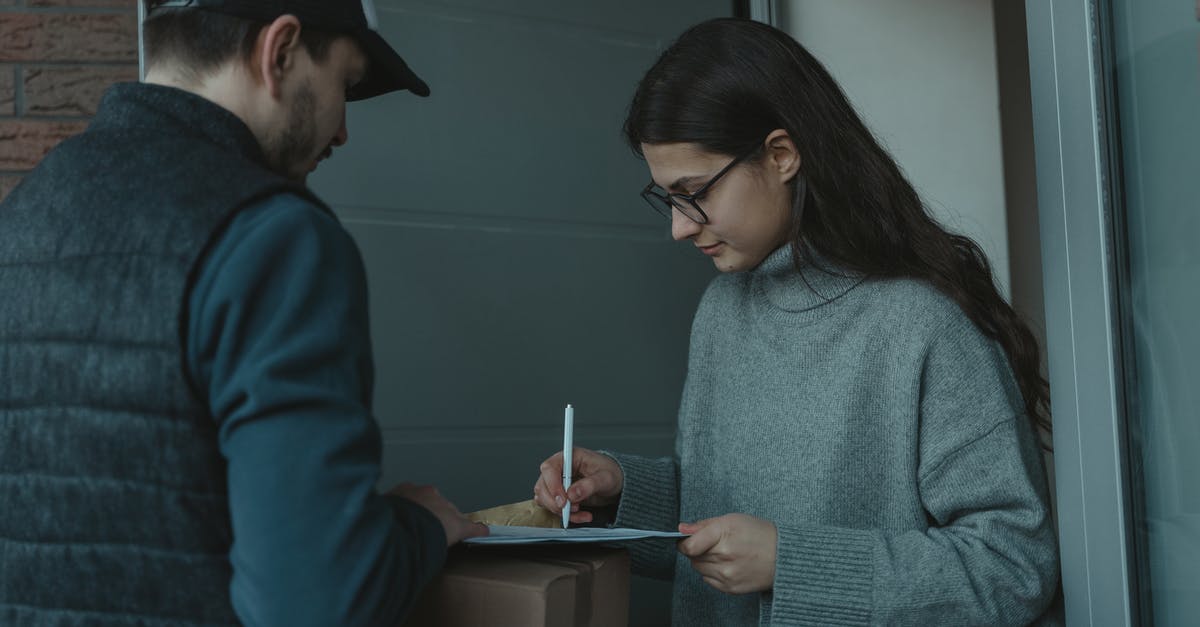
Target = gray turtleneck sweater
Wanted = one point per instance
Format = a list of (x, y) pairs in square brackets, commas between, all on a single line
[(879, 430)]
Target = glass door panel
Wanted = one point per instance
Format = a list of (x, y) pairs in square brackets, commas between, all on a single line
[(1155, 59)]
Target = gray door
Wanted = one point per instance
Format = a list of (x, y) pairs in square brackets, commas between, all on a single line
[(513, 268)]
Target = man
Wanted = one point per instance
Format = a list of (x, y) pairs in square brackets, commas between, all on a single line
[(186, 375)]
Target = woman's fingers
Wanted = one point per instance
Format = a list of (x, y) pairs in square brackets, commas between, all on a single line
[(595, 482), (551, 496), (584, 488), (705, 536), (602, 475)]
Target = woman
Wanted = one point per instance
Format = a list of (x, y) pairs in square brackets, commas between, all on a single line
[(857, 437)]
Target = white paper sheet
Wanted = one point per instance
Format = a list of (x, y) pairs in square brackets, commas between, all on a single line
[(504, 534)]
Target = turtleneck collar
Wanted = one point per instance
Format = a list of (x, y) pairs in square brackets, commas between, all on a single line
[(818, 283), (134, 105)]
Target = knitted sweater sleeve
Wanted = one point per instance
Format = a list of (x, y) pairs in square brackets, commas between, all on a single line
[(649, 500), (989, 555)]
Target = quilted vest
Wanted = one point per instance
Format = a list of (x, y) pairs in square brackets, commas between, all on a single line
[(113, 499)]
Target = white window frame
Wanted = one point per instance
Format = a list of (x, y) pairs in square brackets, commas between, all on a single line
[(1082, 323), (767, 11)]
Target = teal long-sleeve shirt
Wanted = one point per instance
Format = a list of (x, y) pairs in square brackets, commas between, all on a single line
[(278, 341)]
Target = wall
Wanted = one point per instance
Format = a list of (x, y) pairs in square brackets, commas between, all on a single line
[(1020, 175), (922, 74), (1020, 182), (56, 59)]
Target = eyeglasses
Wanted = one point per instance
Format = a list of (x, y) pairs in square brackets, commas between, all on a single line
[(687, 204)]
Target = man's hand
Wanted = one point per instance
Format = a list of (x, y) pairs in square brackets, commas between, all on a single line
[(734, 553), (457, 526)]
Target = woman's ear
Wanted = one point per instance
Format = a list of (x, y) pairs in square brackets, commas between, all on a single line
[(275, 52), (782, 158)]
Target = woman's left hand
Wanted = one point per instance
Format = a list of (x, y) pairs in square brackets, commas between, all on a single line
[(734, 553)]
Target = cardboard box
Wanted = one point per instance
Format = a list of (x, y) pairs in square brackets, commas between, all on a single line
[(528, 586)]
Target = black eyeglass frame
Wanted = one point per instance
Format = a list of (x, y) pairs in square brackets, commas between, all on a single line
[(672, 201)]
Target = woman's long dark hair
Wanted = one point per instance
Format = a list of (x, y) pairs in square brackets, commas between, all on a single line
[(726, 84)]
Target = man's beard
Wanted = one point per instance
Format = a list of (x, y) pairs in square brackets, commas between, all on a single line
[(289, 151)]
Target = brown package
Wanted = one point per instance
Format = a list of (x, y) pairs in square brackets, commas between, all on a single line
[(528, 586), (521, 514)]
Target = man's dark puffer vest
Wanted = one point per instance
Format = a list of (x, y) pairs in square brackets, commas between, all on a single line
[(113, 500)]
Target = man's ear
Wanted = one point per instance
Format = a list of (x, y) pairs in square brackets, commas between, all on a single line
[(782, 158), (276, 51)]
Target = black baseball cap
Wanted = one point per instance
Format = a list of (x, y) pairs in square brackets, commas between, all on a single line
[(386, 70)]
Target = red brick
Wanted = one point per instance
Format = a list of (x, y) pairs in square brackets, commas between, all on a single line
[(70, 90), (24, 142), (7, 183), (129, 4), (7, 90), (68, 37)]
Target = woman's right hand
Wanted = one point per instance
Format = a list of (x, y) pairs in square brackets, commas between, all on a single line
[(596, 481)]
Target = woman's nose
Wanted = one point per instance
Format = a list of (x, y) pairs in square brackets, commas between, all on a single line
[(683, 227)]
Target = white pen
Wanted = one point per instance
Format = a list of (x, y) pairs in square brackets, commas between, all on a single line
[(568, 436)]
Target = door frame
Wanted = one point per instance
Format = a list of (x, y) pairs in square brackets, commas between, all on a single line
[(1078, 181)]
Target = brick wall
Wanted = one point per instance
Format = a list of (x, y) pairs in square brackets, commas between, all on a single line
[(56, 59)]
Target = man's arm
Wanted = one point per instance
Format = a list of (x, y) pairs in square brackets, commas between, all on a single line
[(278, 341)]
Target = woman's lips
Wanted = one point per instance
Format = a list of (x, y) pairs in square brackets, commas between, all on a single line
[(712, 250)]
